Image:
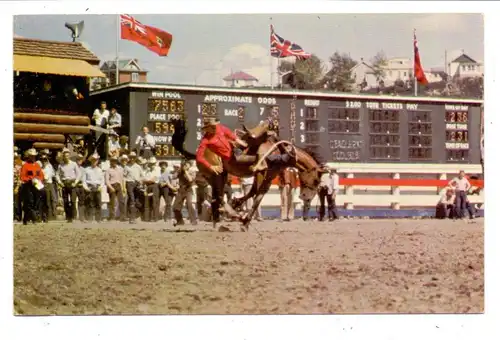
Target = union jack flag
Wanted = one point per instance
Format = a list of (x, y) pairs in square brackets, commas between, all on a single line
[(133, 24), (281, 48)]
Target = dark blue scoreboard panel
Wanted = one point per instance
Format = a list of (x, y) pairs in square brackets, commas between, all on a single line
[(354, 129)]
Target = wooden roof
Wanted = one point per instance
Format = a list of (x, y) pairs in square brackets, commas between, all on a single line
[(53, 49)]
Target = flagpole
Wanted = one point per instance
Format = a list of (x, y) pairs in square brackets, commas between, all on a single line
[(415, 82), (270, 55), (117, 49)]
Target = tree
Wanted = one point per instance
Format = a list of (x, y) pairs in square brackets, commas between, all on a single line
[(304, 74), (339, 77), (379, 62)]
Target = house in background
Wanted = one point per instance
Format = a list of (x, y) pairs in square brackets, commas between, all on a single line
[(129, 71), (364, 75), (240, 79), (465, 67), (397, 69)]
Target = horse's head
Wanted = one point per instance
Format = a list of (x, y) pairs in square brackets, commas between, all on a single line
[(310, 173)]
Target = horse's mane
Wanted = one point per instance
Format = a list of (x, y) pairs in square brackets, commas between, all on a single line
[(313, 153)]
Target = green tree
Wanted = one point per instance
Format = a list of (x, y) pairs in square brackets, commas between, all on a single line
[(379, 61), (339, 78), (303, 74)]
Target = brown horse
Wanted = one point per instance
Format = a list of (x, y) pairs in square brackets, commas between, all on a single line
[(260, 144)]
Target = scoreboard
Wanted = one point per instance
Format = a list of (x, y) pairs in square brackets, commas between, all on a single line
[(340, 127)]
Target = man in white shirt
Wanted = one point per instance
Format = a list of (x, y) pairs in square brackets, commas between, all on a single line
[(152, 193), (49, 202), (325, 192), (101, 115), (133, 174), (93, 184), (145, 143), (462, 186)]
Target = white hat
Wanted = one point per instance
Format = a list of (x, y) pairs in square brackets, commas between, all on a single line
[(94, 156), (124, 157), (79, 156), (152, 160), (113, 158), (65, 150), (141, 161), (31, 152), (45, 151), (132, 154)]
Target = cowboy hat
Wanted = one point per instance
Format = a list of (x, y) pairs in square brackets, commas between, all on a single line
[(152, 160), (94, 157), (65, 150), (124, 157), (79, 156), (212, 121), (132, 154), (31, 152), (113, 158), (141, 161), (45, 152)]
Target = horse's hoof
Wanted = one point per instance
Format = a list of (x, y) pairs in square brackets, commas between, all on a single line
[(223, 229)]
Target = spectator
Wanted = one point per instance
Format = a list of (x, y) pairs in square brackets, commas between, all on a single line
[(325, 191), (101, 115), (167, 191), (93, 183), (113, 145), (462, 186), (115, 183), (445, 207), (336, 188), (145, 143), (115, 121)]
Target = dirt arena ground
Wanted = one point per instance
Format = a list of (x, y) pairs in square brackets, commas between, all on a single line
[(350, 266)]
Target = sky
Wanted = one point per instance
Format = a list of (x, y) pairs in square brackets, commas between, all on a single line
[(206, 48)]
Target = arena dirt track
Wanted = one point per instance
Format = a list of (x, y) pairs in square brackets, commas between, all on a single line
[(350, 266)]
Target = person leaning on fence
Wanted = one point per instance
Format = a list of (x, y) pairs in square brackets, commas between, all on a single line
[(93, 183), (462, 186), (446, 205), (68, 177), (325, 192), (31, 176), (114, 181)]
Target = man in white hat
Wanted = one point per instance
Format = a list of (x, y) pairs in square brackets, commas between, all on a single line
[(152, 193), (68, 176), (133, 175), (31, 175), (93, 183)]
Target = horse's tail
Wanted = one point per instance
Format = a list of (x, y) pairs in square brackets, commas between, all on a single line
[(179, 137)]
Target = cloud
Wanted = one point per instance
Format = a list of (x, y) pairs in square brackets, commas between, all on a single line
[(439, 22)]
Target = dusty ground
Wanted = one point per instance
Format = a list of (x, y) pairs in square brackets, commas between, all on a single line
[(351, 266)]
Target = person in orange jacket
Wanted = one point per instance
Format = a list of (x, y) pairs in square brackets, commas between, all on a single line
[(31, 176)]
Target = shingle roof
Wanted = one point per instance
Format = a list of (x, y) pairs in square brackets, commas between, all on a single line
[(464, 58), (54, 49), (122, 63), (239, 76)]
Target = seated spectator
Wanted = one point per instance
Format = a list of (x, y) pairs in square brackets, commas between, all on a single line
[(123, 141), (445, 206), (113, 145)]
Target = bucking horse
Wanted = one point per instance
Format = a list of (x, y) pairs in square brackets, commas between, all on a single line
[(260, 141)]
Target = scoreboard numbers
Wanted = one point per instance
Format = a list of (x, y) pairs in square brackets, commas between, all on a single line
[(456, 133), (384, 134), (161, 113)]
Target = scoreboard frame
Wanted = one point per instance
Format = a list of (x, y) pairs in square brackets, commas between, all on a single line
[(342, 127)]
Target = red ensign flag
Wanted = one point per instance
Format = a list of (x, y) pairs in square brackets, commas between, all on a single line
[(154, 39), (417, 66)]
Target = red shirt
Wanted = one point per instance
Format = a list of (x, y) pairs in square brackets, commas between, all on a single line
[(30, 171), (218, 143)]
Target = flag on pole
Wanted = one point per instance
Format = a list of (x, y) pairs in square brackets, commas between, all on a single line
[(281, 48), (154, 39), (417, 65)]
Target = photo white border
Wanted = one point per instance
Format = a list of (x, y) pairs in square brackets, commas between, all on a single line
[(256, 327)]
